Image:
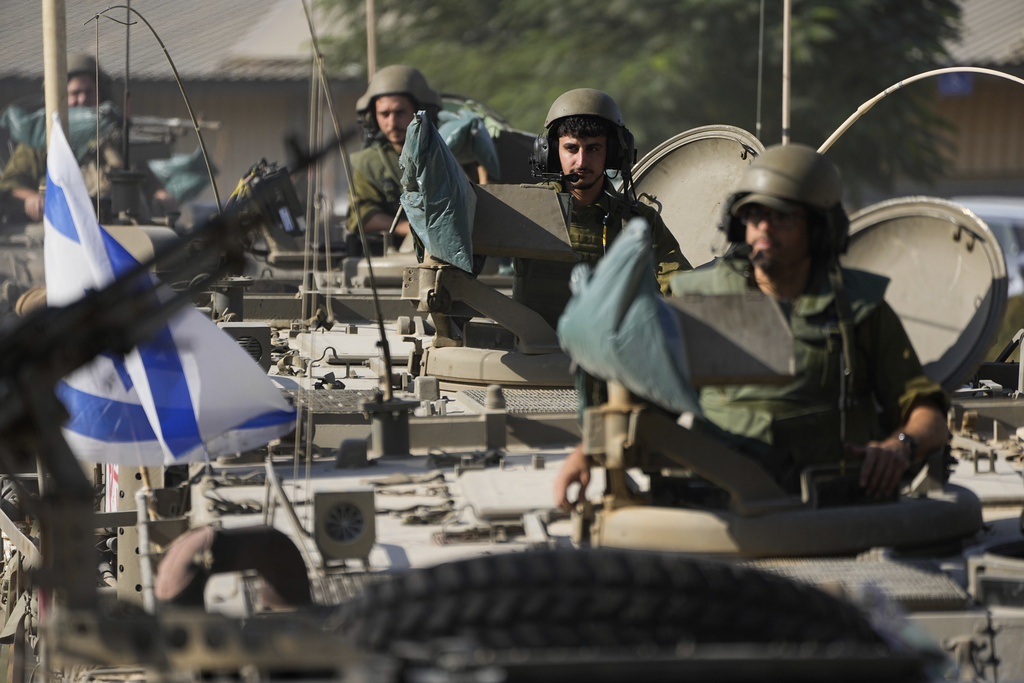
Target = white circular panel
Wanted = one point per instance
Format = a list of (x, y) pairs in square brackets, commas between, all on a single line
[(948, 278), (689, 176)]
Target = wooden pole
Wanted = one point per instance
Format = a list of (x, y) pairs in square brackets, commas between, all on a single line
[(55, 63), (371, 40)]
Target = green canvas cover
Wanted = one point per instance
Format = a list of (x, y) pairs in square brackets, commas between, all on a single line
[(436, 195), (617, 327), (467, 137), (183, 175), (30, 127)]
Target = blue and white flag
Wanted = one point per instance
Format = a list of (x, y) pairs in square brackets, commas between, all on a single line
[(188, 394)]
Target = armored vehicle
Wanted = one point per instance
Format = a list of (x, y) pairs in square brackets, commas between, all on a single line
[(406, 530), (408, 524)]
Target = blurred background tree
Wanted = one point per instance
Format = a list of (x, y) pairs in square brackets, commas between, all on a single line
[(673, 65)]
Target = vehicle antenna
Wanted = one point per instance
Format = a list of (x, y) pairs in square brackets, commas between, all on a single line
[(384, 347), (787, 8), (181, 87), (96, 107), (863, 109), (760, 73), (127, 83)]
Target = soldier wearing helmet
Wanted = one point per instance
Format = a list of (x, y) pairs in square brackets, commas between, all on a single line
[(585, 136), (859, 393), (392, 98), (26, 170)]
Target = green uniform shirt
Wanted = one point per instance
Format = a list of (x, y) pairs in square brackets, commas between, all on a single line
[(376, 183), (544, 285), (787, 427), (26, 168)]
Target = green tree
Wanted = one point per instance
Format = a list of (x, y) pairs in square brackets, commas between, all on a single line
[(676, 64)]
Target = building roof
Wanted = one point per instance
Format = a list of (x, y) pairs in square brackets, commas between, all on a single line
[(221, 40), (993, 33)]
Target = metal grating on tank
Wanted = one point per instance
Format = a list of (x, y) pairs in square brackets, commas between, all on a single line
[(915, 584), (331, 400), (528, 400)]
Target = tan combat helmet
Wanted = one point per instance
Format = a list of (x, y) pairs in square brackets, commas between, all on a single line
[(585, 102), (80, 63), (788, 175), (397, 80)]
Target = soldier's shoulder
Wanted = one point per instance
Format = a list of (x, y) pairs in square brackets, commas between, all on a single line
[(865, 285), (723, 275)]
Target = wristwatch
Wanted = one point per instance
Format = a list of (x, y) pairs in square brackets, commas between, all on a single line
[(910, 442)]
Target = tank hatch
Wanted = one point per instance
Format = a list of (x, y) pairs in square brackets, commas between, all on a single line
[(948, 278), (687, 178)]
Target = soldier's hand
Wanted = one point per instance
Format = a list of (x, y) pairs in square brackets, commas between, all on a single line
[(34, 207), (575, 469), (883, 464)]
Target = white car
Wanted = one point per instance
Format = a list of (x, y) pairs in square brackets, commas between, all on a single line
[(1005, 216)]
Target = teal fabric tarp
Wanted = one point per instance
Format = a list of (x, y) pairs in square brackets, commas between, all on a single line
[(617, 327), (437, 196), (30, 127), (183, 175), (466, 135)]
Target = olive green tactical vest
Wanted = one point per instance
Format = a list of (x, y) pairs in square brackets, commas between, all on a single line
[(544, 285), (797, 424)]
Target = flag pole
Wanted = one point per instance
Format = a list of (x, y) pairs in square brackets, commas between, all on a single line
[(55, 63)]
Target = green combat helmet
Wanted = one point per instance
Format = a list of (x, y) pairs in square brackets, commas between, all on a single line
[(80, 63), (396, 80), (584, 102), (788, 175)]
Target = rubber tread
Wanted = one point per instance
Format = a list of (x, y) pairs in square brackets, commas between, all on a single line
[(599, 598)]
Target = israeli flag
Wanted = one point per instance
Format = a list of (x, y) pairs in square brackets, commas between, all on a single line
[(188, 394)]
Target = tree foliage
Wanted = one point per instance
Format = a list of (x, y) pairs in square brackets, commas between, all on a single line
[(673, 65)]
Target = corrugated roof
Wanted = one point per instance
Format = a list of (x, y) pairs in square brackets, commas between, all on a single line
[(993, 33), (207, 40)]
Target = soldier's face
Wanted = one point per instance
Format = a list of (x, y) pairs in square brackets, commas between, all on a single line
[(585, 157), (779, 240), (394, 114), (81, 91)]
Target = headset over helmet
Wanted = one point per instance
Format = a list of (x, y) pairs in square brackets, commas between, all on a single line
[(788, 175), (397, 80), (584, 102)]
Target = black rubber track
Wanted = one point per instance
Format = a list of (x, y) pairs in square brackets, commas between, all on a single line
[(599, 598)]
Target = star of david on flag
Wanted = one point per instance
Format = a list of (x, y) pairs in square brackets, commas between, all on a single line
[(186, 395)]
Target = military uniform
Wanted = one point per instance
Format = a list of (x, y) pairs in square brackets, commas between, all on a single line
[(27, 168), (797, 424), (376, 182), (544, 285)]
